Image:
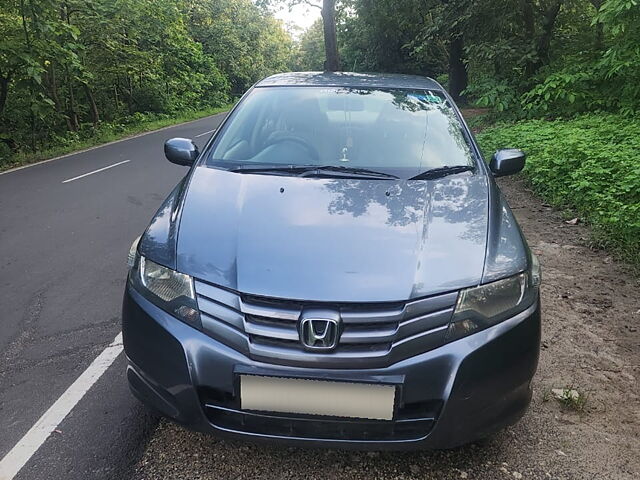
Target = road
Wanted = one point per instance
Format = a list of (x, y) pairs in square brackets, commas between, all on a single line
[(64, 238)]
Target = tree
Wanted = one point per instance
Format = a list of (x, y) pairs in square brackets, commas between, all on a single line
[(328, 13), (539, 19), (521, 55), (72, 68), (332, 63), (310, 54)]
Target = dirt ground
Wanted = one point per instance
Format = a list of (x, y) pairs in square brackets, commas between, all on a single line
[(590, 343)]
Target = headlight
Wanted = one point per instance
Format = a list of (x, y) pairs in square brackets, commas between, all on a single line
[(170, 290), (486, 305), (133, 252)]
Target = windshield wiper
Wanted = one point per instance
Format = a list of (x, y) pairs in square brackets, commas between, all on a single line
[(441, 172), (318, 170), (309, 170), (271, 168)]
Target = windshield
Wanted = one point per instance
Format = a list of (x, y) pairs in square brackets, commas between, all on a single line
[(397, 131)]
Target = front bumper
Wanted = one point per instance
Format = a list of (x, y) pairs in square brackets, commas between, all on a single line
[(455, 394)]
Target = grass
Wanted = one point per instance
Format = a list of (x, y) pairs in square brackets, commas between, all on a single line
[(587, 165), (105, 134), (571, 399)]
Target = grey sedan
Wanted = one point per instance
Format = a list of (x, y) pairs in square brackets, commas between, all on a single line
[(337, 268)]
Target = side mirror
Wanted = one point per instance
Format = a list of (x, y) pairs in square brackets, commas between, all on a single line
[(507, 162), (181, 151)]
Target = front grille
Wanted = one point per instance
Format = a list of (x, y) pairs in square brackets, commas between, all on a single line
[(374, 335), (413, 422)]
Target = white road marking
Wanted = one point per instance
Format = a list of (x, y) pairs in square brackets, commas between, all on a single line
[(205, 133), (95, 171), (20, 454)]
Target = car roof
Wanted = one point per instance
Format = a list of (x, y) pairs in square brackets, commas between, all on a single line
[(349, 79)]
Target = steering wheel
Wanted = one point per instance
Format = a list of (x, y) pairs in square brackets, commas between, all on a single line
[(313, 153)]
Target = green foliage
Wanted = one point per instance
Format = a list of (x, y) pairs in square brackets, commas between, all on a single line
[(492, 93), (590, 164), (71, 69), (88, 136), (380, 36), (310, 51), (523, 58), (592, 64), (246, 44), (566, 92)]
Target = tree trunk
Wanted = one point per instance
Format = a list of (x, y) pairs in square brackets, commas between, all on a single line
[(332, 62), (548, 24), (599, 40), (73, 114), (543, 42), (130, 94), (23, 14), (95, 115), (599, 30), (4, 89), (53, 91), (458, 76), (32, 123), (528, 19), (529, 25)]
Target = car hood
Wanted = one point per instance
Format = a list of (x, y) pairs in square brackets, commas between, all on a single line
[(328, 239)]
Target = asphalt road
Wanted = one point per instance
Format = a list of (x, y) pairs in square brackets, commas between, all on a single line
[(63, 248)]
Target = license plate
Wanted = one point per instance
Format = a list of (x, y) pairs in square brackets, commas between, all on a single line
[(317, 397)]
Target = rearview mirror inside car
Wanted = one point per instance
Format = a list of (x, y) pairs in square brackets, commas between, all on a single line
[(507, 162), (181, 151)]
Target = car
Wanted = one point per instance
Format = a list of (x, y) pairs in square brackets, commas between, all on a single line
[(337, 268)]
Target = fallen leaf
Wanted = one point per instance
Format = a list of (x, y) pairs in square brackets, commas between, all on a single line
[(573, 221)]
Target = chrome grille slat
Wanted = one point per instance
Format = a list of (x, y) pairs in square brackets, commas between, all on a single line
[(266, 329), (219, 295), (221, 312), (265, 311), (282, 333), (423, 324), (225, 333), (349, 315), (369, 336), (426, 323), (430, 304)]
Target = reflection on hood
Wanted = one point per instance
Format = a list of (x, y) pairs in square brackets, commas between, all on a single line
[(334, 239)]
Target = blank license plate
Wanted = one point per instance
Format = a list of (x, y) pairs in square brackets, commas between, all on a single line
[(317, 397)]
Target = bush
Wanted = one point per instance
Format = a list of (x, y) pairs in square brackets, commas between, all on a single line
[(590, 163), (495, 94)]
